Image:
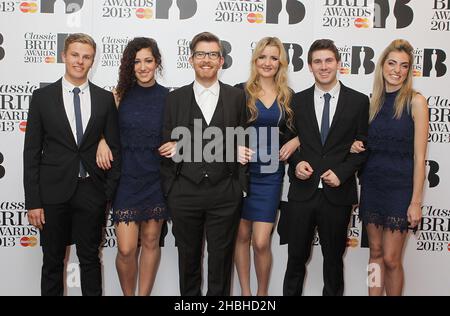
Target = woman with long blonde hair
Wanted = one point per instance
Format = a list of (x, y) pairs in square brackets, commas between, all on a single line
[(268, 106), (393, 176)]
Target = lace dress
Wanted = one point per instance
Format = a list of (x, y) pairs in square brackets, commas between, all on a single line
[(387, 177), (139, 196)]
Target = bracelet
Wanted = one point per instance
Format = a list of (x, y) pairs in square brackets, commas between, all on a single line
[(416, 203)]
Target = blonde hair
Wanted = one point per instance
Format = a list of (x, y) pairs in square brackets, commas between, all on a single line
[(406, 92), (79, 38), (253, 86)]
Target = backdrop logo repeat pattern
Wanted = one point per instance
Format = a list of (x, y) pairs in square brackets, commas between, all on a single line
[(429, 62), (439, 112), (393, 14), (356, 60)]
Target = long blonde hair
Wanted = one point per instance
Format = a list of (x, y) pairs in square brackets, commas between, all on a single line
[(406, 93), (253, 86)]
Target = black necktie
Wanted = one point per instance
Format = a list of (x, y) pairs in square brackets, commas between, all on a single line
[(79, 124), (325, 126)]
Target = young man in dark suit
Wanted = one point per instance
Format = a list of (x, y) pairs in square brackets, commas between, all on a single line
[(65, 192), (204, 196), (328, 117)]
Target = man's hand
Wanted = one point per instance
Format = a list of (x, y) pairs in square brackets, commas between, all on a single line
[(168, 150), (303, 170), (244, 155), (330, 179), (36, 217)]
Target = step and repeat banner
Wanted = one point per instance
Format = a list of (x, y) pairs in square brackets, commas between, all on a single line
[(32, 35)]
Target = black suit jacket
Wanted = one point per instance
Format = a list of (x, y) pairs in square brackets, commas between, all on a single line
[(350, 122), (178, 114), (51, 156)]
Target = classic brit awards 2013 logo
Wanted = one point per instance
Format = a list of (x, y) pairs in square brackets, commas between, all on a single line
[(43, 48), (283, 12), (112, 50), (14, 228), (439, 112), (356, 60), (434, 229), (149, 9), (347, 13), (441, 15), (14, 102)]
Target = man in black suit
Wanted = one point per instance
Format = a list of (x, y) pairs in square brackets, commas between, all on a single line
[(204, 196), (328, 117), (65, 192)]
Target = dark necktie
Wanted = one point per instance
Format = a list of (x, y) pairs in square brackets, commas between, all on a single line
[(79, 124), (325, 126)]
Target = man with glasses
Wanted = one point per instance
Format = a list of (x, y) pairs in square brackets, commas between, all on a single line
[(204, 196)]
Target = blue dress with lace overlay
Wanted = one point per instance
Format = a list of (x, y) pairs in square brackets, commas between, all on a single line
[(139, 195), (387, 177)]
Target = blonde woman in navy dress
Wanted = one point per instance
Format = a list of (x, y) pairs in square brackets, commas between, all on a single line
[(393, 177), (268, 105), (139, 208)]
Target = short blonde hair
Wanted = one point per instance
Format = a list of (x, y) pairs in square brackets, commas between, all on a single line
[(79, 38)]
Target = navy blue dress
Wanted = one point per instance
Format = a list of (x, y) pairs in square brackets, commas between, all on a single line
[(387, 177), (139, 195), (263, 198)]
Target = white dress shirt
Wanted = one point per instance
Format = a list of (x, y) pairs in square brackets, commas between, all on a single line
[(207, 99), (319, 101), (85, 104)]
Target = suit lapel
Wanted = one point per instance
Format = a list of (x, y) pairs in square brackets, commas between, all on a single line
[(95, 102), (311, 110), (339, 109), (61, 112), (226, 107)]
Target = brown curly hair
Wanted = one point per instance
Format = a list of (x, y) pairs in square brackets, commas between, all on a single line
[(127, 77)]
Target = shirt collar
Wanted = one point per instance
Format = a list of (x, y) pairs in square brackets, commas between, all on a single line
[(69, 87), (333, 92), (199, 89)]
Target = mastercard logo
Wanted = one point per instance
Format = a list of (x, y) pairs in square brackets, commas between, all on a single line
[(50, 60), (344, 71), (28, 241), (23, 126), (417, 73), (362, 23), (255, 18), (352, 242), (448, 247), (28, 7), (142, 13)]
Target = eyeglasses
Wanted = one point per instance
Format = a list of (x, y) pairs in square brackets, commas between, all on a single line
[(211, 55)]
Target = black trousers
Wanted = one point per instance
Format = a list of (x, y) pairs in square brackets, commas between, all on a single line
[(205, 209), (332, 225), (80, 220)]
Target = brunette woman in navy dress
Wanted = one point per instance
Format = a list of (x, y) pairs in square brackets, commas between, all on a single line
[(139, 209), (393, 177), (269, 106)]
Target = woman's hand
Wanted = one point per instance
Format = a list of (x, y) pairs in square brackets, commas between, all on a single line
[(288, 149), (168, 149), (104, 155), (357, 147), (244, 155)]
